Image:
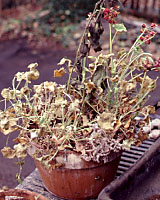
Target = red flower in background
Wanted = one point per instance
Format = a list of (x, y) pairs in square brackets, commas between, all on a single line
[(111, 14)]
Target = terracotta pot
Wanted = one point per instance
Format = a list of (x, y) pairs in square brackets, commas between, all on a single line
[(20, 194), (78, 179), (154, 197)]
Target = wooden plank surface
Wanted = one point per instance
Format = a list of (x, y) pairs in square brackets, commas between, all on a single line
[(34, 183)]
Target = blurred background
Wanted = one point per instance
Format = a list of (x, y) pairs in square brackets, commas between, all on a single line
[(44, 31)]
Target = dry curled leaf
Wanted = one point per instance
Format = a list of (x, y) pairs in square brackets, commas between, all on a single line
[(21, 140), (33, 66), (8, 152), (106, 120), (7, 94), (126, 86), (128, 142), (8, 123), (64, 60), (32, 75), (59, 73), (117, 125), (20, 150), (74, 106), (127, 125), (85, 120), (89, 86), (148, 110)]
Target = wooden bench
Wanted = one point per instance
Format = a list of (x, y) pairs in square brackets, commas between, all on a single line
[(149, 9)]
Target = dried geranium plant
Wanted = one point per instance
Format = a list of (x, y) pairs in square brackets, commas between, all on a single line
[(93, 114)]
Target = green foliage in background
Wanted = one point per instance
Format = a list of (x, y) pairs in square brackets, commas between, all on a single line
[(58, 18), (67, 10), (57, 15)]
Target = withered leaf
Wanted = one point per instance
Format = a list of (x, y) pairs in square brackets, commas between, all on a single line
[(148, 110), (8, 152), (51, 86), (6, 129), (20, 150), (21, 140), (33, 66), (128, 142), (106, 120), (142, 135), (7, 93), (99, 75), (117, 125), (74, 106), (127, 124), (126, 86), (148, 84), (64, 60), (32, 75), (85, 120), (89, 86), (59, 73)]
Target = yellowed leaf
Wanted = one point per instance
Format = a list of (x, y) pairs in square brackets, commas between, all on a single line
[(128, 142), (106, 120), (127, 124), (74, 106), (51, 86), (32, 66), (20, 150), (148, 110), (7, 93), (21, 140), (126, 86), (117, 125), (64, 60), (85, 120), (8, 152), (89, 86), (59, 73), (32, 75), (7, 130)]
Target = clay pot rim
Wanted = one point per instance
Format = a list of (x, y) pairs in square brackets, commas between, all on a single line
[(21, 193), (89, 164), (154, 197)]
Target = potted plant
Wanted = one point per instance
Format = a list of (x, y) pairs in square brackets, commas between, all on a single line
[(77, 131), (20, 194)]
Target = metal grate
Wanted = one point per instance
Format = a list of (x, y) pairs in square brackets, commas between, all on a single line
[(129, 157)]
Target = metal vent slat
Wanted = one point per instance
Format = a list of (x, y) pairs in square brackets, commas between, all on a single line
[(150, 142), (124, 164), (145, 146), (134, 152), (130, 155), (138, 148), (123, 168), (119, 172), (128, 159)]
